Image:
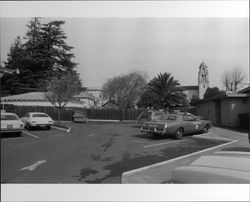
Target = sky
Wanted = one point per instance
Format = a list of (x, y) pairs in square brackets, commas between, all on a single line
[(108, 47)]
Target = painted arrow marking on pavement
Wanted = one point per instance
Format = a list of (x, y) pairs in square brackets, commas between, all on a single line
[(34, 166)]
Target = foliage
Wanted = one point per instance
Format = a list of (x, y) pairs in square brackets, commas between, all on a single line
[(232, 79), (125, 90), (211, 92), (43, 54), (167, 91), (61, 89), (147, 100)]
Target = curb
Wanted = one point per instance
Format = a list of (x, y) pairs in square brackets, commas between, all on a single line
[(63, 129), (162, 172)]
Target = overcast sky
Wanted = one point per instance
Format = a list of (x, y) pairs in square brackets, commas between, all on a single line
[(107, 47)]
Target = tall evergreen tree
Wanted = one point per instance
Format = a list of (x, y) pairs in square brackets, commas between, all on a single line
[(12, 84), (44, 54)]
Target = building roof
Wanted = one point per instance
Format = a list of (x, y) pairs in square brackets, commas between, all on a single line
[(202, 65), (245, 90), (32, 96), (226, 96), (93, 89), (85, 94), (110, 102), (190, 87)]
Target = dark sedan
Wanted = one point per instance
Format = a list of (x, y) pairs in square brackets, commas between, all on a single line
[(176, 124)]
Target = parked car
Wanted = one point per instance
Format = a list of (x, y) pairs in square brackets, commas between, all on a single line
[(10, 123), (37, 119), (221, 167), (176, 124), (149, 115)]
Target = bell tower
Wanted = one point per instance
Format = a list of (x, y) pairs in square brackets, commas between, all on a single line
[(203, 81)]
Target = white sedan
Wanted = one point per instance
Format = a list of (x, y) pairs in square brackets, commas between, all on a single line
[(10, 123), (37, 119)]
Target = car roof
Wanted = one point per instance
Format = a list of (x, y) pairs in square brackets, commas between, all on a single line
[(36, 113), (8, 113)]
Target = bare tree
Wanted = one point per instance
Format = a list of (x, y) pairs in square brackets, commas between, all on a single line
[(232, 79), (125, 90), (61, 89)]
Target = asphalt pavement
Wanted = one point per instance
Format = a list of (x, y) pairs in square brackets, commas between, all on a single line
[(89, 153)]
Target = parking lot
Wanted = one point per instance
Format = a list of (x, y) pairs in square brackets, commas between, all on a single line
[(89, 153)]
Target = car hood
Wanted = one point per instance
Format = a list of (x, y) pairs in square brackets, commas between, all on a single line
[(218, 168)]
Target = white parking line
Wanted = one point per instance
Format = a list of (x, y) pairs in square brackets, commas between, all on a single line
[(30, 134), (34, 166), (164, 143)]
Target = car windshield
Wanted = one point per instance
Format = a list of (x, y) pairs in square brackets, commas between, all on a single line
[(8, 117), (39, 115), (168, 117)]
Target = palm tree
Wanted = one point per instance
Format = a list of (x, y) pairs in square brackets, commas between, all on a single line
[(167, 91)]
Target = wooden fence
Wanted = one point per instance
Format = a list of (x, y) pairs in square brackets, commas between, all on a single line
[(66, 115), (114, 114)]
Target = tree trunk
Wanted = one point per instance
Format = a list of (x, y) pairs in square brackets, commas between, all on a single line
[(59, 113)]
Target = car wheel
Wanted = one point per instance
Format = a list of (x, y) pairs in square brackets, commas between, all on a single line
[(28, 126), (179, 133), (48, 127), (205, 129)]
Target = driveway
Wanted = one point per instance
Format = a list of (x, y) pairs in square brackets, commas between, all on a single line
[(90, 153)]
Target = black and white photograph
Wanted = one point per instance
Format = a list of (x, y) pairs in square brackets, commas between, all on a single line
[(124, 100)]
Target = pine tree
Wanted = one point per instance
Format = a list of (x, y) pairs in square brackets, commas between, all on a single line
[(44, 54), (12, 84)]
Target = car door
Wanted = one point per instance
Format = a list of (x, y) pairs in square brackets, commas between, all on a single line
[(189, 122)]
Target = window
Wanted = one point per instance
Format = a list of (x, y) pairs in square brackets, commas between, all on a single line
[(39, 115), (189, 118), (8, 117)]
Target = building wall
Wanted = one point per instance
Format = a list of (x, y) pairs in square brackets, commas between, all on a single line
[(231, 108), (208, 110), (191, 94), (88, 103), (227, 113)]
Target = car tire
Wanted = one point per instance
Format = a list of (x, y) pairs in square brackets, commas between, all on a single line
[(179, 134), (28, 127), (205, 129), (48, 127)]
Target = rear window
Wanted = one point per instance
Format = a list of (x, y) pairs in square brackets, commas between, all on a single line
[(157, 115), (9, 117), (145, 115), (40, 115)]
